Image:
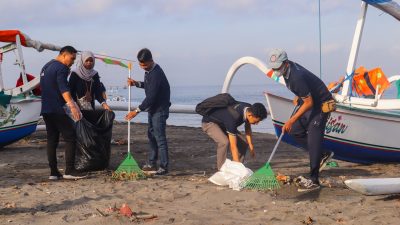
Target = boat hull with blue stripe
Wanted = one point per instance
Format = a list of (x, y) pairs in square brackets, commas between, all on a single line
[(353, 134), (19, 119)]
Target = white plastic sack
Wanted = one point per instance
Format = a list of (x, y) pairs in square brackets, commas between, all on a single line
[(231, 174)]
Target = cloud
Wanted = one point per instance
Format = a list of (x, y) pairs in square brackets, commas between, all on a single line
[(25, 13), (49, 12)]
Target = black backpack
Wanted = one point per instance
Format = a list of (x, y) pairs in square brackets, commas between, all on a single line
[(207, 106)]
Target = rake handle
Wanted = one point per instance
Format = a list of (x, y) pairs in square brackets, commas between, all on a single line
[(275, 147), (280, 138), (129, 107)]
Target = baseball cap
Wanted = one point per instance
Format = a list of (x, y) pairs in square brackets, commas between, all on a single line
[(276, 58)]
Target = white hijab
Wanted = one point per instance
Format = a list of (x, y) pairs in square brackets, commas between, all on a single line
[(82, 72)]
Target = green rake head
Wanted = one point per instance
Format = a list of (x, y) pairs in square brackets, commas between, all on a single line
[(261, 180), (128, 170)]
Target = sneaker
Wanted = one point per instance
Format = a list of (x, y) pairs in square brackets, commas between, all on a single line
[(161, 171), (55, 175), (74, 175), (325, 158), (149, 168), (307, 185)]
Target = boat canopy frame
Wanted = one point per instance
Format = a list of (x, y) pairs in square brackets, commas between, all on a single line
[(344, 97)]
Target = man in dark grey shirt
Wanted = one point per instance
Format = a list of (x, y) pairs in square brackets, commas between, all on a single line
[(221, 125), (307, 125)]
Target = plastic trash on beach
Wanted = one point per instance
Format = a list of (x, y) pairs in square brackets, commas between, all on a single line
[(231, 174)]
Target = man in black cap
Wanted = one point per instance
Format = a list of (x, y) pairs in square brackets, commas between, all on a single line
[(307, 125)]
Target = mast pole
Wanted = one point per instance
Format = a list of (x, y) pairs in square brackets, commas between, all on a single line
[(355, 47)]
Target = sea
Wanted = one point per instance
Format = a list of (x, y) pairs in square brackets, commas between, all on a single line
[(192, 95)]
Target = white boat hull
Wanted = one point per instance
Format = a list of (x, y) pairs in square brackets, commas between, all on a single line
[(19, 119), (355, 135)]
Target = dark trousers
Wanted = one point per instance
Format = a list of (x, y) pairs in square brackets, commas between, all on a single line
[(158, 138), (309, 133), (56, 124)]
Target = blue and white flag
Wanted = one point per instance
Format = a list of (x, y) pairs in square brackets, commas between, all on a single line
[(389, 6)]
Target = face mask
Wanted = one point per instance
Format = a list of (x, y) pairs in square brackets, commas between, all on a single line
[(281, 71)]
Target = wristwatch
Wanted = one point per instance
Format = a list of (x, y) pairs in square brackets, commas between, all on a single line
[(137, 110)]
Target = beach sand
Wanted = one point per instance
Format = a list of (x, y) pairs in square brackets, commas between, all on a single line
[(185, 196)]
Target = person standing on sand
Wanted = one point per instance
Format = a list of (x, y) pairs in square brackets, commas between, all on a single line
[(56, 94), (156, 103), (307, 124), (222, 123)]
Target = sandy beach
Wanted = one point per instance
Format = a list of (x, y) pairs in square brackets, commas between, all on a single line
[(185, 196)]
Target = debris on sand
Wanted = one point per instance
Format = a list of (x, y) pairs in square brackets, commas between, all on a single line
[(308, 220)]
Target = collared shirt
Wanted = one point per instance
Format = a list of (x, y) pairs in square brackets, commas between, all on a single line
[(244, 113), (303, 83), (229, 118)]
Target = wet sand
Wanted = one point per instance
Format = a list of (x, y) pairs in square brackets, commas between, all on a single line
[(185, 196)]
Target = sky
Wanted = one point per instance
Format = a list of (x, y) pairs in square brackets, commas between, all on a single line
[(196, 41)]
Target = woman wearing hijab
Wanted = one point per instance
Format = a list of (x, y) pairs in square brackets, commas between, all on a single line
[(85, 84)]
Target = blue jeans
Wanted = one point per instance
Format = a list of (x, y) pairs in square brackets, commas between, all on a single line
[(157, 137)]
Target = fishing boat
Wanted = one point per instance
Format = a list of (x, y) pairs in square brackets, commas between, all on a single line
[(362, 130), (19, 106)]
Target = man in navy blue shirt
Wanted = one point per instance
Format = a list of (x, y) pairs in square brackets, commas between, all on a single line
[(222, 123), (307, 124), (56, 94), (156, 103)]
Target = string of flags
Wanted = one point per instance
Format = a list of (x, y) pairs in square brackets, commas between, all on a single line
[(111, 61)]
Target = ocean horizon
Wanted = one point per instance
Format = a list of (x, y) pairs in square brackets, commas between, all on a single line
[(192, 95)]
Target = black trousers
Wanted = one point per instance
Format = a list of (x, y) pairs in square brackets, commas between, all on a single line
[(308, 131), (56, 124)]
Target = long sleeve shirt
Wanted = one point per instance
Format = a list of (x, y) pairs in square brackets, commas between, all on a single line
[(79, 87), (157, 90)]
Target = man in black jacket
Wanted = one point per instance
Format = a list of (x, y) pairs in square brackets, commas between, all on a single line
[(156, 103)]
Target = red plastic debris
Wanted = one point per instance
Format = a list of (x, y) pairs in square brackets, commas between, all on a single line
[(125, 210)]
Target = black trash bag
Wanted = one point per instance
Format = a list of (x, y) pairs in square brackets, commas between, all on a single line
[(93, 140)]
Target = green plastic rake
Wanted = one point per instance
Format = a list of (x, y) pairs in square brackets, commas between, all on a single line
[(129, 168), (264, 178)]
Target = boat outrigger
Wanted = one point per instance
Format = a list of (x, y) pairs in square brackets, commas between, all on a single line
[(362, 129)]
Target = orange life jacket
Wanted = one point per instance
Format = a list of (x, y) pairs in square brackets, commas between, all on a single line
[(366, 82)]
